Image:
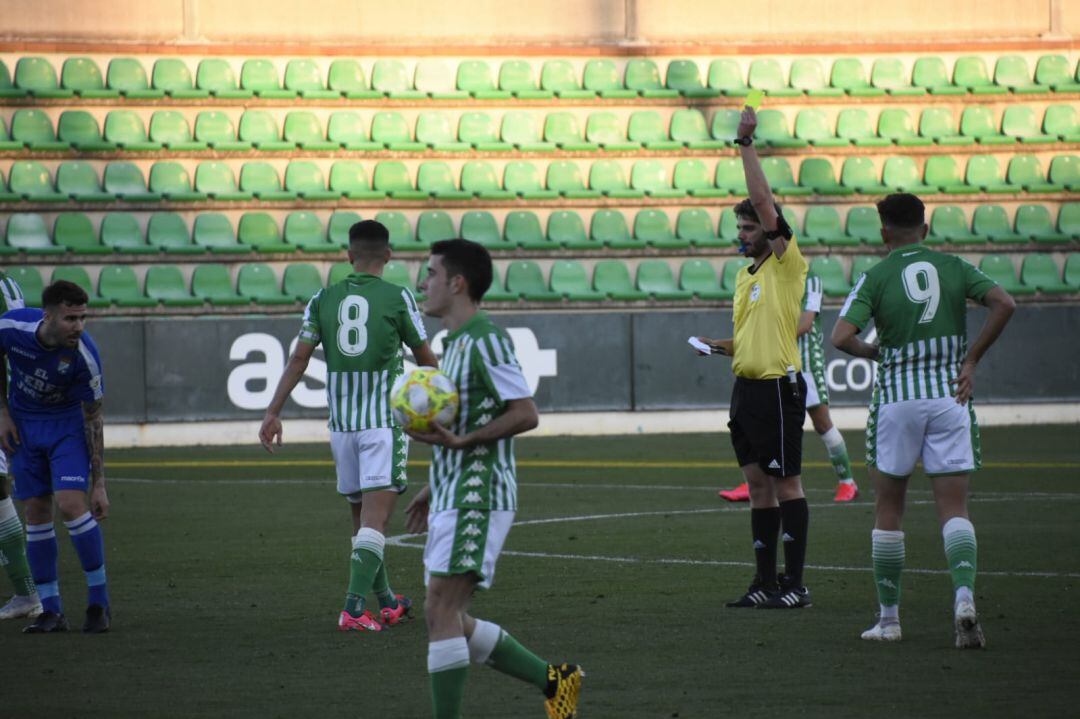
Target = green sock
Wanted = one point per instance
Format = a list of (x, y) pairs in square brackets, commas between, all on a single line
[(837, 449), (509, 657), (366, 558), (13, 550), (448, 666), (888, 555), (961, 551), (381, 587)]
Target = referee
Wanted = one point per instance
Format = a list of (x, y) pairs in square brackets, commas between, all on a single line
[(768, 402)]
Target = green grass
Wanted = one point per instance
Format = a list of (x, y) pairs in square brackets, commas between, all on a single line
[(227, 569)]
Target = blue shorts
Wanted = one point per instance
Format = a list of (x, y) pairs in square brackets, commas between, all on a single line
[(51, 456)]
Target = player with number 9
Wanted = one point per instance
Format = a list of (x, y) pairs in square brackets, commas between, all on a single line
[(361, 323)]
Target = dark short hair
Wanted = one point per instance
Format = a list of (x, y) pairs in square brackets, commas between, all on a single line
[(369, 231), (468, 259), (63, 292), (746, 209), (902, 210)]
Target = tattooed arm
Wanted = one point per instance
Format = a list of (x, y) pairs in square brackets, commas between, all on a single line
[(94, 420)]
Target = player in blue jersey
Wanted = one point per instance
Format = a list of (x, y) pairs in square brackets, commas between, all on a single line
[(51, 428)]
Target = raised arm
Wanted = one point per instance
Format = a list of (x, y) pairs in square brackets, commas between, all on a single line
[(1001, 306), (761, 196), (270, 431), (94, 426)]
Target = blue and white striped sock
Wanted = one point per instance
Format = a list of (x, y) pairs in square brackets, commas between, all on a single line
[(41, 554), (86, 536)]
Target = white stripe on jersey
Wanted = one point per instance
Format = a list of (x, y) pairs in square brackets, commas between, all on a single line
[(509, 381), (13, 297), (18, 325), (414, 313), (851, 295), (813, 295), (95, 370)]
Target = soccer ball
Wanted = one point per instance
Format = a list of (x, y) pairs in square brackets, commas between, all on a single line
[(423, 396)]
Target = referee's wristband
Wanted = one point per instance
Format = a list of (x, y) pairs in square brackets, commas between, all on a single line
[(744, 141)]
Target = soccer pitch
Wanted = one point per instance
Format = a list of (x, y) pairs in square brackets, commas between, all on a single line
[(227, 569)]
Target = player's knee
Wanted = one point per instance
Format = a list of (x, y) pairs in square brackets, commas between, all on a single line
[(72, 504), (39, 510)]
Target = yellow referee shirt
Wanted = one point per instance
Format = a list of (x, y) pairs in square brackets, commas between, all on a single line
[(768, 303)]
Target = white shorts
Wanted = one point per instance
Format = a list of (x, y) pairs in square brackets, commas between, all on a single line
[(3, 459), (813, 395), (940, 432), (370, 460), (461, 541)]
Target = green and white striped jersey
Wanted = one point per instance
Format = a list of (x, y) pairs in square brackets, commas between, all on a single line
[(11, 296), (918, 301), (811, 344), (479, 358), (361, 323)]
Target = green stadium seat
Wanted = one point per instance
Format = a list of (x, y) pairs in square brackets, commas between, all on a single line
[(1021, 122), (1065, 173), (766, 74), (260, 129), (478, 178), (1013, 72), (725, 124), (984, 172), (605, 129), (127, 76), (559, 77), (7, 144), (261, 77), (992, 222), (401, 232), (81, 277), (522, 229), (602, 77), (433, 129), (257, 282), (168, 232), (566, 229), (305, 178), (730, 177), (612, 279), (216, 130), (480, 226), (1062, 121), (1071, 277), (82, 75), (1069, 219), (217, 180), (1041, 272), (120, 233), (562, 129), (854, 126), (807, 75), (888, 74), (29, 281), (685, 77), (1034, 222), (124, 180), (813, 126), (520, 129), (213, 231), (34, 129), (822, 224), (649, 129), (479, 130), (74, 231), (902, 174), (729, 275), (699, 277), (496, 293), (31, 180), (79, 129), (434, 225), (523, 179), (172, 76), (978, 122), (849, 75), (609, 228), (217, 76), (689, 128), (211, 283), (833, 278), (608, 177), (655, 278), (304, 78), (347, 130), (949, 224), (860, 264), (5, 194), (475, 78), (392, 177), (79, 181), (694, 225), (654, 228), (728, 231), (1026, 172), (726, 76), (436, 179), (127, 131), (119, 285), (943, 172), (391, 130), (165, 284), (864, 223), (7, 87), (970, 72), (516, 76), (564, 177), (773, 130), (692, 177), (525, 279), (304, 129), (396, 273), (817, 175), (643, 76), (937, 124), (653, 178), (37, 76), (895, 125), (434, 78), (337, 229), (930, 73), (570, 279), (301, 281), (261, 179), (347, 77), (392, 79), (1055, 72), (170, 128), (172, 181), (781, 179)]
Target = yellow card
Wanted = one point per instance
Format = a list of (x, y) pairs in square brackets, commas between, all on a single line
[(754, 98)]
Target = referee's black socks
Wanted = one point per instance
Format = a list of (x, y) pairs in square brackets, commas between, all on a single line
[(765, 528), (795, 515)]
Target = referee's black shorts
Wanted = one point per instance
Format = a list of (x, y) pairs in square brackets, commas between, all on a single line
[(767, 424)]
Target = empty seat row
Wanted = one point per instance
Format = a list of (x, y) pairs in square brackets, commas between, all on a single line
[(529, 132), (77, 180), (431, 77), (168, 232)]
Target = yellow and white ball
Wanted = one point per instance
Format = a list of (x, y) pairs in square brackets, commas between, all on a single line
[(423, 396)]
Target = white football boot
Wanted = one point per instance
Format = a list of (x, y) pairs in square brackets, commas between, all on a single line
[(21, 606), (969, 634)]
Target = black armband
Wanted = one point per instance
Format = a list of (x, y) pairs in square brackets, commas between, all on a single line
[(783, 229)]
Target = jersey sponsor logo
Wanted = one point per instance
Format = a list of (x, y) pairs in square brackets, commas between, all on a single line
[(15, 349)]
